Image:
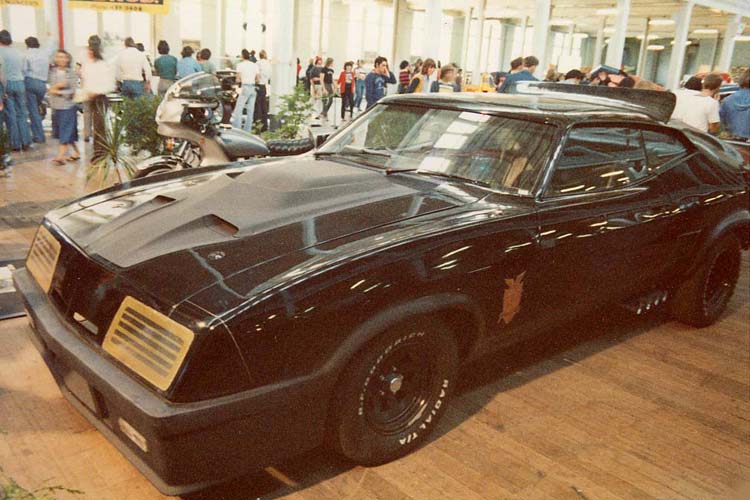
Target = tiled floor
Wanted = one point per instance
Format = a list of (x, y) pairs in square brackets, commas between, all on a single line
[(31, 187), (617, 407)]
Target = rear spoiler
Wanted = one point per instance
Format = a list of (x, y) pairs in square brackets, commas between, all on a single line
[(658, 105)]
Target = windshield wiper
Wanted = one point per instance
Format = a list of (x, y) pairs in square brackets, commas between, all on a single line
[(356, 151), (436, 174)]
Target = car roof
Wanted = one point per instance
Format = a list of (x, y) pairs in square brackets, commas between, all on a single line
[(559, 107)]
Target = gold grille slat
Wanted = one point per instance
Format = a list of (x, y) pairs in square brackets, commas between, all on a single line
[(149, 343), (42, 259)]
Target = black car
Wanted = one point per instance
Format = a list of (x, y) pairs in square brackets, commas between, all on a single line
[(218, 319)]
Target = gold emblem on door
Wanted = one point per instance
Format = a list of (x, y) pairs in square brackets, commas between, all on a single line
[(512, 298)]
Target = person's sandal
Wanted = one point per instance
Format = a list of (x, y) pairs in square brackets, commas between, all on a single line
[(73, 158), (55, 161)]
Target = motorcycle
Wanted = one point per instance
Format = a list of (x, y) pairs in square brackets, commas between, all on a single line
[(193, 116)]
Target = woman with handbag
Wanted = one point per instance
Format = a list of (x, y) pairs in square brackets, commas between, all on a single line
[(63, 82)]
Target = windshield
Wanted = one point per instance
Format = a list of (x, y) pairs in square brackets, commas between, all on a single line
[(198, 86), (505, 154)]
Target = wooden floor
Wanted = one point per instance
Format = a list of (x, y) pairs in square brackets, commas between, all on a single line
[(609, 407)]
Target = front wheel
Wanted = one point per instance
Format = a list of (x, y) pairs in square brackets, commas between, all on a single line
[(394, 392), (703, 297)]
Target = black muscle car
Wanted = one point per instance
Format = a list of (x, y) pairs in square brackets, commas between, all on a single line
[(217, 319)]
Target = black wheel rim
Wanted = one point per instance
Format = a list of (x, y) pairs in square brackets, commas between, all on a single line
[(720, 281), (400, 389)]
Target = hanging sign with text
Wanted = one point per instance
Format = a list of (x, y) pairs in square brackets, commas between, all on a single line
[(28, 3), (148, 6)]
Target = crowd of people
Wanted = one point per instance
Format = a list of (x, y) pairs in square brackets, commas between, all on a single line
[(47, 76), (25, 80), (698, 103)]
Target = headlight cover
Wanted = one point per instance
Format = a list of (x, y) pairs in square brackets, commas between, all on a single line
[(148, 342), (42, 258)]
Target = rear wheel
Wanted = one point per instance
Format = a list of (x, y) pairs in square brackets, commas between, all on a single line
[(701, 299), (394, 392), (289, 147)]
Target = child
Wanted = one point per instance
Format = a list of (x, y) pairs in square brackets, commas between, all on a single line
[(347, 82), (447, 82), (404, 76), (63, 82)]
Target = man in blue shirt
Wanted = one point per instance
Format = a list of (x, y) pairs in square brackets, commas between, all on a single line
[(35, 72), (735, 109), (525, 75), (376, 80), (187, 65), (16, 113)]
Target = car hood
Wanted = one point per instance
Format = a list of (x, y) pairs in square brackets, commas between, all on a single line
[(176, 238)]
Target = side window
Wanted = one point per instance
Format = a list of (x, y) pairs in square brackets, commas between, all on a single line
[(661, 148), (599, 159)]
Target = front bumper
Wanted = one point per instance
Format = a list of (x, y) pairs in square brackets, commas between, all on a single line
[(188, 446)]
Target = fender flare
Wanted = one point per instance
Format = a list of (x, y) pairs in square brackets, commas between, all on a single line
[(736, 220), (390, 316)]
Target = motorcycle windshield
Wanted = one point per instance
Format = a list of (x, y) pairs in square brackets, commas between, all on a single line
[(200, 86)]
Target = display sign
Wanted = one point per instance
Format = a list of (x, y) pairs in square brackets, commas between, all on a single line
[(149, 6), (28, 3)]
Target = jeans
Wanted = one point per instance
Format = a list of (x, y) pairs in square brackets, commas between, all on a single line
[(261, 108), (18, 115), (35, 90), (347, 101), (164, 85), (327, 99), (132, 88), (359, 93), (246, 101)]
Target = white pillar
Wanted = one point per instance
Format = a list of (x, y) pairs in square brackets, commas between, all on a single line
[(393, 58), (727, 47), (524, 27), (281, 56), (433, 28), (541, 33), (643, 51), (677, 60), (401, 37), (221, 50), (599, 45), (475, 72), (463, 60), (210, 30), (168, 28), (616, 45), (486, 60), (320, 32), (128, 26), (571, 32)]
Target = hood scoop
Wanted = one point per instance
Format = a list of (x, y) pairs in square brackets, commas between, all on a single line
[(265, 198)]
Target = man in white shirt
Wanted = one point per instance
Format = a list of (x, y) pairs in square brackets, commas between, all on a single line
[(132, 70), (261, 103), (700, 109), (247, 76)]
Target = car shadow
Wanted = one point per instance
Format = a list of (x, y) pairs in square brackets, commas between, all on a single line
[(504, 370)]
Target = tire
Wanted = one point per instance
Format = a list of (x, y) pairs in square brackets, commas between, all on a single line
[(394, 392), (704, 296), (289, 147)]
